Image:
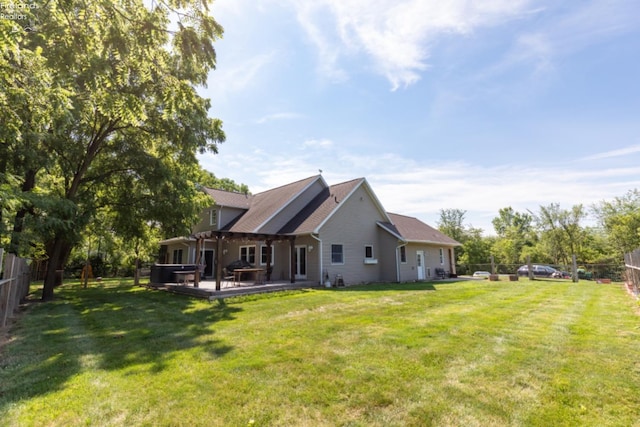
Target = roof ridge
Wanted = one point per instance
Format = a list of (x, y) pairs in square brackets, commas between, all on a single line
[(288, 184)]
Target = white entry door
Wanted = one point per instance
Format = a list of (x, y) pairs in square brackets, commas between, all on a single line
[(420, 264), (301, 262)]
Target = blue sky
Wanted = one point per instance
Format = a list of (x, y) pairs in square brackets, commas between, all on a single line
[(440, 104)]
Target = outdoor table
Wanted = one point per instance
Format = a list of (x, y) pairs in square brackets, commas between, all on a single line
[(237, 274)]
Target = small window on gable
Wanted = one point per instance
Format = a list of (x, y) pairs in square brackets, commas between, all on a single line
[(213, 218), (403, 254), (337, 254), (368, 252)]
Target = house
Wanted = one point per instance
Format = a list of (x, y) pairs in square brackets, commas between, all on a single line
[(308, 230)]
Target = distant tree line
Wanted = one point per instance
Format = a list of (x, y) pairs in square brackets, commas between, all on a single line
[(550, 235)]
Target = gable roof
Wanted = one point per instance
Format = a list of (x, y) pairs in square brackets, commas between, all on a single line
[(413, 230), (260, 208), (267, 204), (321, 207), (229, 198)]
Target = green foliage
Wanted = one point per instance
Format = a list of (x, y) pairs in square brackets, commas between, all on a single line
[(102, 115), (620, 218)]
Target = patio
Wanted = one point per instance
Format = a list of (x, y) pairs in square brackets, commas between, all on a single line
[(229, 288)]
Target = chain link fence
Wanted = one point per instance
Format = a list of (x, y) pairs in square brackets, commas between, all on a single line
[(613, 272)]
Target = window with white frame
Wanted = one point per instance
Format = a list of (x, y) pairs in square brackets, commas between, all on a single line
[(441, 256), (248, 253), (263, 255), (368, 251), (177, 256), (403, 254), (213, 218), (337, 254)]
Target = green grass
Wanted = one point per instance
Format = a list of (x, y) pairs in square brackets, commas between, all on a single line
[(460, 354)]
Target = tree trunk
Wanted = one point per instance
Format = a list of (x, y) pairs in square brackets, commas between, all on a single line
[(18, 222), (58, 253)]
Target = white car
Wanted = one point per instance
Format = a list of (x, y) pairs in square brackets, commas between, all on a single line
[(481, 274)]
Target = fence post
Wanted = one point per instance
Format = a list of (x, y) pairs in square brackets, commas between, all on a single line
[(530, 268)]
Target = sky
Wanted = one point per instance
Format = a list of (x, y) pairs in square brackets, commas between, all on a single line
[(439, 104)]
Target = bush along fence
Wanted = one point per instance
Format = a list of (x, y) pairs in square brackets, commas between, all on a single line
[(632, 264), (14, 285)]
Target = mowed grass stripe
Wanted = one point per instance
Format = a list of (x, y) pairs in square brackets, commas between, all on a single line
[(466, 353)]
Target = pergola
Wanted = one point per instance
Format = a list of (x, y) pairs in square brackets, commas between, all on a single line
[(229, 236)]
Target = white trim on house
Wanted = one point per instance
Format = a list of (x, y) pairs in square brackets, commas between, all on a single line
[(291, 200), (369, 190)]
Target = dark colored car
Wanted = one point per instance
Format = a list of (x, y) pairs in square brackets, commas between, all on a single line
[(538, 270)]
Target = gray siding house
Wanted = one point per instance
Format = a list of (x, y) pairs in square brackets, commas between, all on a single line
[(308, 230)]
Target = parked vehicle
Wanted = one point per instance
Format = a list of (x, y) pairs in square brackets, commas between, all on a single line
[(538, 270), (561, 275), (481, 274)]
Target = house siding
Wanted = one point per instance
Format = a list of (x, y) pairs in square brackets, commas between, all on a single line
[(409, 271), (353, 225), (225, 216)]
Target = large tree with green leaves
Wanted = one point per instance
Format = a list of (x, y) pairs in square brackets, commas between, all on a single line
[(561, 232), (620, 219), (514, 232), (134, 121)]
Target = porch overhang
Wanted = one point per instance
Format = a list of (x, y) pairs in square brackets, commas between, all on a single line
[(224, 235)]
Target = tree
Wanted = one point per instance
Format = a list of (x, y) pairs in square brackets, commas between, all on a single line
[(620, 219), (514, 231), (451, 223), (560, 231), (133, 114)]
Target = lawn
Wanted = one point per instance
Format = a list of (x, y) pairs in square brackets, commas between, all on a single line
[(455, 354)]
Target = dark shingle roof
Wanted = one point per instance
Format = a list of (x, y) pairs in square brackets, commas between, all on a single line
[(228, 198), (414, 230)]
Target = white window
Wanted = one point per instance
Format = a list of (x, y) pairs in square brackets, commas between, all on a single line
[(213, 218), (248, 253), (441, 256), (263, 255), (368, 252), (337, 254)]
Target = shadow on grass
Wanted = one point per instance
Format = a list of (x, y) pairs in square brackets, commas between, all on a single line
[(105, 327)]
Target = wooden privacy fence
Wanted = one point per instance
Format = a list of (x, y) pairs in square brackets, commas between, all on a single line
[(14, 284), (632, 264)]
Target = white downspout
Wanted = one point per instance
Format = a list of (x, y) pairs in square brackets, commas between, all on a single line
[(321, 281)]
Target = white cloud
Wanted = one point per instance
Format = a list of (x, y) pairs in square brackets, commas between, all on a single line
[(395, 35), (406, 186), (614, 153), (242, 74)]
